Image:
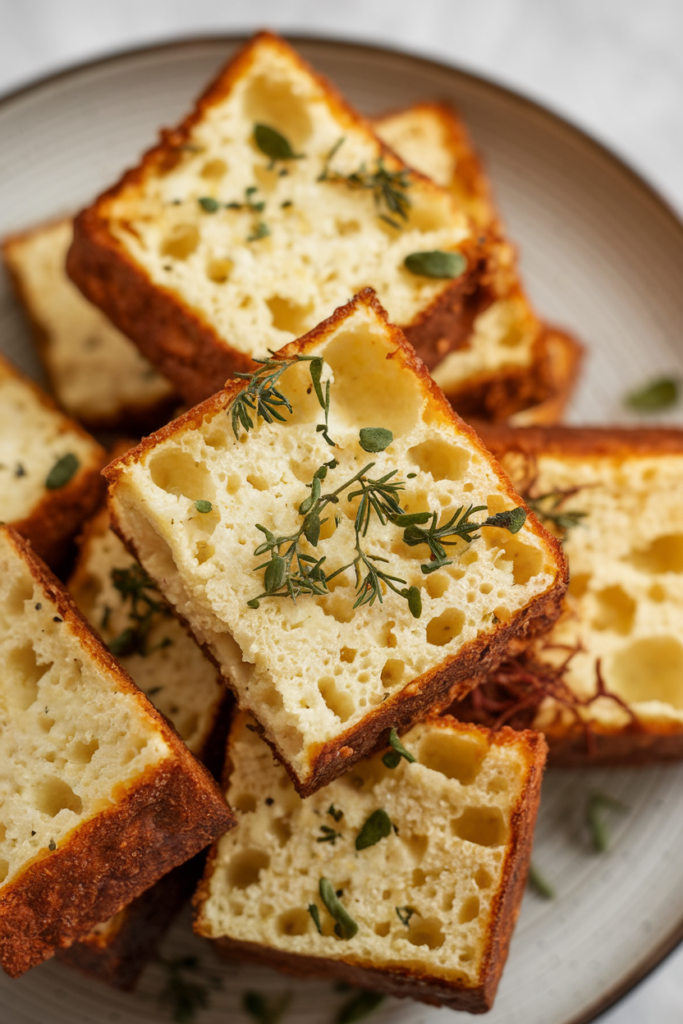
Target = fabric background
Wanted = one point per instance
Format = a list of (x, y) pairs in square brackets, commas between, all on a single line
[(613, 67)]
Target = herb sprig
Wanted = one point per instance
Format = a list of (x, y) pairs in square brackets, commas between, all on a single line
[(388, 188), (133, 584), (262, 398), (549, 509), (183, 996)]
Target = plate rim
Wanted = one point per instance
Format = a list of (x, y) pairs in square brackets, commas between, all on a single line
[(620, 164)]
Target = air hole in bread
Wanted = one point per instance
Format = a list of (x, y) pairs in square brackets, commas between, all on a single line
[(454, 756), (426, 932), (347, 227), (203, 551), (418, 878), (665, 554), (244, 802), (527, 561), (273, 101), (444, 461), (348, 654), (82, 751), (176, 472), (649, 669), (181, 241), (258, 482), (213, 170), (436, 585), (21, 592), (657, 593), (338, 607), (498, 784), (469, 911), (293, 922), (288, 315), (382, 928), (482, 878), (24, 673), (338, 701), (218, 269), (245, 867), (393, 672), (484, 826), (53, 795), (445, 627), (370, 389), (282, 830), (416, 845), (616, 610)]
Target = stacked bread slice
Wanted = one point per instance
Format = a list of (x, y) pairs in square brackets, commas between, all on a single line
[(97, 375), (402, 877), (512, 366), (232, 521), (605, 685), (126, 609), (268, 207), (49, 466), (100, 797)]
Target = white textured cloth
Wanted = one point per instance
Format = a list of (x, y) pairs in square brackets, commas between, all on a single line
[(613, 67)]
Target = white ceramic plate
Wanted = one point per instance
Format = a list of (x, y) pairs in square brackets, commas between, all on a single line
[(602, 255)]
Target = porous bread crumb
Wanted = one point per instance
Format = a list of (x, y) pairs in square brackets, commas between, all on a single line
[(97, 374), (452, 851), (624, 607), (71, 742), (313, 669), (174, 673)]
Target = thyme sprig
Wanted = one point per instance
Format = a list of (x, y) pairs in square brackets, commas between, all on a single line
[(459, 526), (388, 188), (262, 397), (133, 584), (548, 508)]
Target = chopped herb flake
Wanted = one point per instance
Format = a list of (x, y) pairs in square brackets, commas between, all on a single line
[(62, 472), (52, 845), (330, 836), (334, 813), (375, 439), (209, 204), (377, 826), (203, 506), (345, 927), (658, 394), (597, 803), (404, 914), (436, 264), (274, 144), (393, 757), (315, 914)]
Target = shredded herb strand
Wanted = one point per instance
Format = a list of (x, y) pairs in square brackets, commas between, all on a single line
[(345, 927)]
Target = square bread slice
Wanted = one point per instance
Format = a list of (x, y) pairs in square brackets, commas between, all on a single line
[(615, 497), (512, 365), (258, 215), (97, 375), (125, 608), (328, 673), (49, 467), (427, 860), (99, 796)]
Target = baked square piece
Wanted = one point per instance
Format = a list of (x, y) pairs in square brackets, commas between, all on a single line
[(512, 365), (606, 684), (407, 879), (96, 374), (123, 605), (49, 466), (99, 796), (263, 211), (232, 522)]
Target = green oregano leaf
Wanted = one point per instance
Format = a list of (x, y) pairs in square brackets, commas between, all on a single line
[(512, 520), (345, 927), (312, 528), (412, 518), (375, 439), (658, 394), (62, 472), (209, 204), (392, 758), (275, 574), (377, 827), (203, 506), (405, 914), (315, 914), (359, 1006), (273, 143), (436, 264), (414, 598)]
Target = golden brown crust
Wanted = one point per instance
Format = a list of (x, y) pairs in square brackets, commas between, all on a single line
[(402, 982), (172, 811), (172, 335), (582, 442), (58, 515), (137, 416), (118, 955), (457, 675)]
